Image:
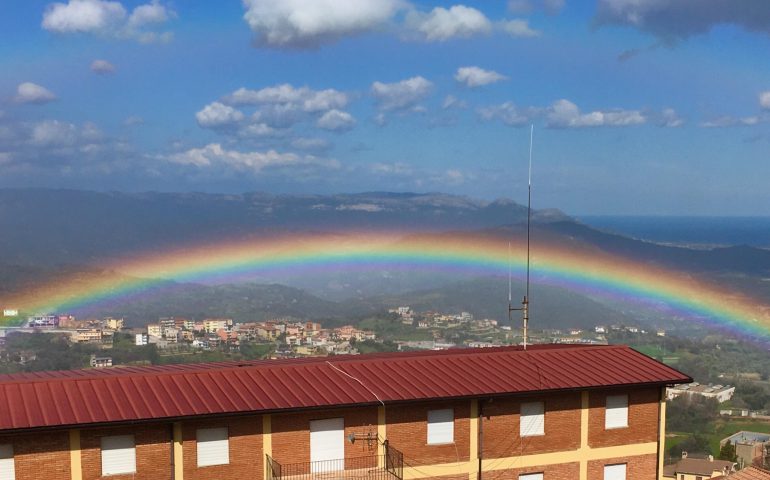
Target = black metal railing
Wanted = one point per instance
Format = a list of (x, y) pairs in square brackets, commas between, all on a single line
[(389, 466)]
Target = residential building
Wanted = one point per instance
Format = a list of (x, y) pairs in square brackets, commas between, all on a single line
[(154, 330), (749, 473), (553, 412), (722, 393), (749, 446), (141, 339), (113, 323), (211, 325), (88, 335), (689, 468), (100, 362)]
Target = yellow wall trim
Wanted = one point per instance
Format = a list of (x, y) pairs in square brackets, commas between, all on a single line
[(178, 452), (382, 434), (76, 469), (474, 440), (267, 440), (584, 414), (662, 432)]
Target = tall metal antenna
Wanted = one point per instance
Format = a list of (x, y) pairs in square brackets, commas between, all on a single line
[(525, 303)]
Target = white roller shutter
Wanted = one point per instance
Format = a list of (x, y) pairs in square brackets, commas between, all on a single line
[(531, 476), (118, 455), (532, 419), (212, 446), (615, 472), (7, 469), (616, 412), (441, 426), (327, 445)]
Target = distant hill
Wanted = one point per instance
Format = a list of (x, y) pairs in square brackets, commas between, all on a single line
[(45, 226)]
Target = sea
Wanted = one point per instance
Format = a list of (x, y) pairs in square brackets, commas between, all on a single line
[(698, 231)]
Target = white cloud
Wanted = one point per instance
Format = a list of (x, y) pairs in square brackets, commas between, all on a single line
[(108, 18), (728, 121), (217, 115), (518, 28), (442, 24), (450, 101), (764, 100), (477, 77), (310, 23), (53, 133), (401, 95), (102, 67), (213, 155), (83, 16), (29, 92), (336, 120), (304, 98), (508, 113), (397, 168), (259, 130), (669, 118), (133, 120), (304, 143), (565, 114)]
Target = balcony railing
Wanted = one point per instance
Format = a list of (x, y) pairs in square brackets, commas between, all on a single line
[(389, 466)]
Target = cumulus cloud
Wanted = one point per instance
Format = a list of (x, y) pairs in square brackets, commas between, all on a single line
[(336, 120), (764, 100), (108, 18), (214, 156), (508, 113), (672, 21), (477, 77), (518, 28), (29, 92), (303, 98), (217, 115), (132, 121), (669, 118), (401, 95), (53, 133), (729, 121), (310, 23), (565, 114), (441, 24), (102, 67), (450, 101)]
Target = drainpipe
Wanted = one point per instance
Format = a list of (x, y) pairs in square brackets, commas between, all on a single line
[(481, 437)]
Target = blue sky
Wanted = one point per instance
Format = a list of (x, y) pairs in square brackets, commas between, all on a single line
[(639, 107)]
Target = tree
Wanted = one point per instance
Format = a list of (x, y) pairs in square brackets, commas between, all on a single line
[(727, 452)]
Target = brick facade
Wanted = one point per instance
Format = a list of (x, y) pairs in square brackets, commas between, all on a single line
[(408, 432), (40, 457), (643, 411), (245, 442), (640, 467), (153, 452), (501, 426), (561, 471)]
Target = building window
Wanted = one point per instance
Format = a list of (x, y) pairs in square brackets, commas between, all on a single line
[(615, 472), (118, 455), (441, 426), (532, 419), (616, 413), (213, 446), (7, 470), (531, 476)]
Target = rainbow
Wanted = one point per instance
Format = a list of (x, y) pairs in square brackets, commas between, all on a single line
[(577, 268)]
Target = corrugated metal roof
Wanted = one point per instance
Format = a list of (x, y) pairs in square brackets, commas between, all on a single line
[(124, 394)]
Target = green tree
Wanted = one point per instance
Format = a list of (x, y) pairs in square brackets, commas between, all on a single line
[(727, 452)]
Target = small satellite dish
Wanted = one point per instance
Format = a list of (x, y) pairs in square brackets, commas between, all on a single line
[(352, 438)]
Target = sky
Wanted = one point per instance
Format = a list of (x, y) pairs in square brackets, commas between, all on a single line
[(638, 106)]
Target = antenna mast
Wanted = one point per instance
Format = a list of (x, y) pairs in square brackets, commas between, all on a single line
[(525, 303)]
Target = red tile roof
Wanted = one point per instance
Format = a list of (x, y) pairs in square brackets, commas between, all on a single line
[(126, 394), (750, 473)]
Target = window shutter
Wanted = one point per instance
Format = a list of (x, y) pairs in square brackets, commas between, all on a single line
[(441, 426), (616, 413), (7, 469), (532, 419), (531, 476), (118, 455), (615, 472), (213, 446)]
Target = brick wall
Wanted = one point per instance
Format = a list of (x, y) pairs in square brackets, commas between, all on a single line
[(643, 406), (40, 456), (562, 471), (640, 467), (245, 442), (501, 426), (153, 452), (291, 433), (408, 432)]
